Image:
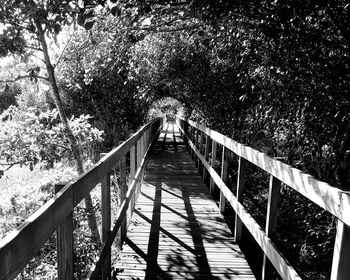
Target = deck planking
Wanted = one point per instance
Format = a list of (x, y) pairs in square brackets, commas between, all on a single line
[(176, 231)]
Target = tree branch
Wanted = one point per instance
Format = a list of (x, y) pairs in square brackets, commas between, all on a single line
[(61, 55), (23, 77)]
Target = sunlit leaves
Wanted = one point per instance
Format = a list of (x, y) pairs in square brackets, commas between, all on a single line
[(30, 137)]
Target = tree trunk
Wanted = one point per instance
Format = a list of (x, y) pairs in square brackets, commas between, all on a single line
[(74, 145)]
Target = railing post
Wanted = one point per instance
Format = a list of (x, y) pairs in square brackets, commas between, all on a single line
[(123, 190), (132, 175), (213, 160), (139, 159), (201, 143), (65, 244), (224, 163), (341, 254), (196, 146), (192, 137), (240, 189), (206, 155), (271, 222), (106, 220)]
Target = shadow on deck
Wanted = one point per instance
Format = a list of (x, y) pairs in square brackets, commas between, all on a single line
[(176, 231)]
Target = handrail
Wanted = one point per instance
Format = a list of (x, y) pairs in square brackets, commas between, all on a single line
[(333, 200), (22, 244)]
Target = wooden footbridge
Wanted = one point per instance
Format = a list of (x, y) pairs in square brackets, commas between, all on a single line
[(168, 222)]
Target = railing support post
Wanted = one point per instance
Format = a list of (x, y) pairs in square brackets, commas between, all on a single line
[(206, 155), (132, 175), (271, 222), (240, 189), (106, 220), (201, 143), (123, 191), (224, 164), (139, 159), (65, 244), (341, 254), (196, 160), (213, 160)]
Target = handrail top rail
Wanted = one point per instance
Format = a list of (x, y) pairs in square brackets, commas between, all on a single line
[(332, 199), (19, 244), (106, 162)]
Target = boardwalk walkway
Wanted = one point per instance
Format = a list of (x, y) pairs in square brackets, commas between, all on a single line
[(176, 231)]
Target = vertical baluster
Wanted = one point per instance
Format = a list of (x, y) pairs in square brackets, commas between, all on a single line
[(196, 135), (213, 160), (132, 175), (139, 158), (224, 164), (240, 190), (192, 137), (341, 254), (206, 156), (201, 143), (271, 222), (123, 190), (106, 221), (65, 244)]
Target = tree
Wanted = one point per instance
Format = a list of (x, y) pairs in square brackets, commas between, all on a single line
[(30, 136), (27, 25)]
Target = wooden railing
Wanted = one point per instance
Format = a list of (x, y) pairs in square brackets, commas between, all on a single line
[(333, 200), (21, 245)]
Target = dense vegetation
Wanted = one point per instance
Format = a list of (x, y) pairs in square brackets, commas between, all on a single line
[(271, 74)]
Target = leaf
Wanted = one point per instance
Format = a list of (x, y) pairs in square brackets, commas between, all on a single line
[(89, 25), (116, 11), (81, 19)]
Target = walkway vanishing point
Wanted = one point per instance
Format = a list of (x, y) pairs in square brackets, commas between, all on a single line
[(177, 231)]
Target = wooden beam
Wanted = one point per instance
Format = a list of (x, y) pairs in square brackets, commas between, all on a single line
[(240, 191), (106, 221), (341, 253), (224, 165), (280, 263), (65, 244), (321, 193), (123, 188), (132, 175), (271, 222), (213, 160), (23, 243), (206, 156)]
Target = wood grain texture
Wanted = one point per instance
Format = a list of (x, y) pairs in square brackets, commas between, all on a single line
[(332, 199), (280, 263), (176, 231)]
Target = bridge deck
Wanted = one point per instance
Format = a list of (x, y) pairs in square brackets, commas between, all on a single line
[(176, 231)]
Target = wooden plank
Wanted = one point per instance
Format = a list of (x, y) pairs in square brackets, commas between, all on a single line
[(123, 190), (96, 270), (164, 240), (120, 217), (132, 175), (23, 243), (341, 255), (271, 222), (201, 143), (240, 195), (213, 160), (106, 221), (17, 248), (65, 244), (275, 256), (86, 182), (224, 163), (321, 193), (206, 156)]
